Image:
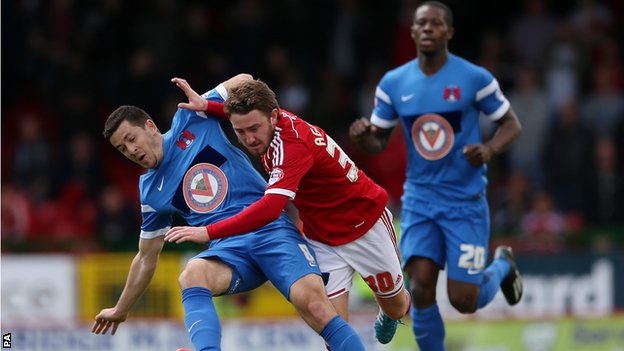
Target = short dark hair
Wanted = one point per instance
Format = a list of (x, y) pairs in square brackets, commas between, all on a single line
[(448, 17), (134, 115), (250, 95)]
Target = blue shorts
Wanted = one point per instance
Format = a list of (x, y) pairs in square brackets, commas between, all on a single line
[(453, 234), (276, 252)]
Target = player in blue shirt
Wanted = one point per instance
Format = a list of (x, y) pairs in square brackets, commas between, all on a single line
[(445, 217), (194, 171)]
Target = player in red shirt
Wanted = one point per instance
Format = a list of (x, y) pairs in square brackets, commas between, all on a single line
[(342, 210)]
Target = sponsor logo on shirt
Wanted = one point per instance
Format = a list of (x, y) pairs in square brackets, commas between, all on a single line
[(276, 175), (205, 187), (405, 98), (433, 136)]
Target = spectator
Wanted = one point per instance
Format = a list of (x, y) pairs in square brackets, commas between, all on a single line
[(604, 107), (115, 222), (511, 203), (591, 19), (543, 227), (568, 157), (564, 66), (605, 188), (32, 159), (18, 216), (81, 164), (530, 103), (531, 32)]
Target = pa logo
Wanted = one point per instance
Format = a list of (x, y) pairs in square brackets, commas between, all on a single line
[(6, 341)]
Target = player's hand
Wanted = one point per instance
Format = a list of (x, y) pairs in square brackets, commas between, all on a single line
[(181, 234), (107, 318), (196, 102), (478, 154), (360, 128)]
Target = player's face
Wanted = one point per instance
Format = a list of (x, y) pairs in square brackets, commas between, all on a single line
[(255, 130), (139, 144), (429, 30)]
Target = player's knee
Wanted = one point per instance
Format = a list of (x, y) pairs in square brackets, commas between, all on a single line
[(397, 307), (187, 279), (309, 297), (316, 306), (465, 302), (396, 312), (318, 309), (193, 275), (422, 295)]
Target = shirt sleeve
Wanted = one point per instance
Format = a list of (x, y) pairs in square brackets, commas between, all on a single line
[(291, 160), (384, 115), (259, 214), (219, 94), (215, 108), (490, 98), (154, 224), (215, 98)]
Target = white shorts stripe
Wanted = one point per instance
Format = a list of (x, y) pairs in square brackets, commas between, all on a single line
[(387, 218)]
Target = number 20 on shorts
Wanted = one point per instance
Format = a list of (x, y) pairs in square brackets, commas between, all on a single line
[(472, 257)]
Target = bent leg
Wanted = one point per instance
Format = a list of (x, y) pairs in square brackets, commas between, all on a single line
[(201, 279), (463, 296), (471, 284), (468, 297), (427, 322), (397, 306), (309, 298), (493, 275)]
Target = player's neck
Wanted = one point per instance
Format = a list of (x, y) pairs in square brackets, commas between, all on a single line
[(160, 150), (430, 63)]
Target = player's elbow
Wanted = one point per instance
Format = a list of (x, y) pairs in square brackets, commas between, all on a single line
[(518, 130), (243, 77), (236, 80)]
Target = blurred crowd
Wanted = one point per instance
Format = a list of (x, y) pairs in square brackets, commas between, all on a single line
[(66, 64)]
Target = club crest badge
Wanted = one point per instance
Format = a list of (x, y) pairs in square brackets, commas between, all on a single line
[(433, 136), (205, 187), (452, 93), (185, 139)]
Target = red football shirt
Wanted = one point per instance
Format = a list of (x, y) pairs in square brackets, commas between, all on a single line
[(337, 202)]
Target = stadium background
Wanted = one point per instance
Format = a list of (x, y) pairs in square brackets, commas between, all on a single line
[(69, 202)]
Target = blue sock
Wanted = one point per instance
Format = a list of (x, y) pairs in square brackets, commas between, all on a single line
[(492, 277), (201, 319), (428, 328), (341, 337)]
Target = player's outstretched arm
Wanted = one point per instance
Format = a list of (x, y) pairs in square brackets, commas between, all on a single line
[(181, 234), (253, 217), (195, 101), (236, 80), (140, 275), (369, 137)]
